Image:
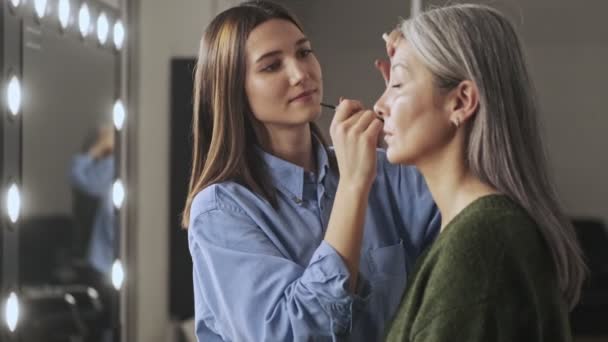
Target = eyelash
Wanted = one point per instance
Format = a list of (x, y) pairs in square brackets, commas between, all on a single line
[(271, 67), (397, 86), (302, 53), (305, 52)]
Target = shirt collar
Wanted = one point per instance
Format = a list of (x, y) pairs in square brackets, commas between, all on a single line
[(290, 176)]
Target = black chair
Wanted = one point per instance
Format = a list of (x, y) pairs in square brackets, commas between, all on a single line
[(590, 316), (65, 299)]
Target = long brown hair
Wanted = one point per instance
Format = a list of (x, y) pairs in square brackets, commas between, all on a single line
[(504, 148), (223, 124)]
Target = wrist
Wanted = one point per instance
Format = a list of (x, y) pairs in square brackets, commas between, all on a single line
[(355, 187)]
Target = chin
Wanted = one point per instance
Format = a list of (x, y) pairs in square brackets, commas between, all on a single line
[(310, 114)]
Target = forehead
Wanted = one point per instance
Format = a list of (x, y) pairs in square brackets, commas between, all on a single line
[(404, 53), (274, 34)]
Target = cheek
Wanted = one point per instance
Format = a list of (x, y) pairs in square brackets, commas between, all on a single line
[(264, 95), (405, 112), (419, 130), (316, 69)]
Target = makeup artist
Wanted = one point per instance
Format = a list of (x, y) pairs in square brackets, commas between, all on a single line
[(285, 247)]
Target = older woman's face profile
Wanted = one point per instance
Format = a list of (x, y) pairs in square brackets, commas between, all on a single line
[(415, 122)]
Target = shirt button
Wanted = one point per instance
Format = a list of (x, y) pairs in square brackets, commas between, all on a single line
[(297, 200)]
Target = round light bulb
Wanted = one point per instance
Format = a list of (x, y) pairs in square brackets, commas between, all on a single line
[(64, 13), (11, 312), (118, 274), (40, 7), (119, 115), (119, 35), (102, 28), (118, 194), (84, 20), (15, 3), (13, 203), (13, 94)]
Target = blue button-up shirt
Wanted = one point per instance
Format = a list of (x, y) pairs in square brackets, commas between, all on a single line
[(95, 177), (262, 274)]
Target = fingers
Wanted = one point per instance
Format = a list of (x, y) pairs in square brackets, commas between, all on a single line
[(391, 39), (364, 119), (373, 130), (384, 67), (345, 109)]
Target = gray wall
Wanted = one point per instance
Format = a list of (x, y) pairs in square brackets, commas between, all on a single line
[(167, 29)]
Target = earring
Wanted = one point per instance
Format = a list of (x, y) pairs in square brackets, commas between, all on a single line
[(456, 122)]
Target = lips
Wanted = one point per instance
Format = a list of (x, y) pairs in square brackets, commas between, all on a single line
[(303, 95)]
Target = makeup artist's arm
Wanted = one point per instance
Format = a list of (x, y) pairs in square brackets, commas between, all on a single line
[(354, 134), (248, 289)]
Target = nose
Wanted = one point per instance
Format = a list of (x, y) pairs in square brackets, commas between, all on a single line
[(380, 107), (298, 72)]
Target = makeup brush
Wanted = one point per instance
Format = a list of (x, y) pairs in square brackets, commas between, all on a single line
[(328, 106), (334, 108)]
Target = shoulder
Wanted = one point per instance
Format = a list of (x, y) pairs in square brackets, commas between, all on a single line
[(494, 237), (225, 196), (499, 220), (219, 214)]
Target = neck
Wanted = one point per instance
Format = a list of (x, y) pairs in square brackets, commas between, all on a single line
[(291, 144), (452, 184)]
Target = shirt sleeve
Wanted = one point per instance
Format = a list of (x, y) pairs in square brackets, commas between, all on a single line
[(246, 290), (422, 216), (417, 209), (91, 176)]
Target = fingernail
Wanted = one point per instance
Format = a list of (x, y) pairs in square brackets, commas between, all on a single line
[(385, 36)]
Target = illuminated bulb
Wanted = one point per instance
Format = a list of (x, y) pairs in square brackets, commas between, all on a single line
[(119, 115), (119, 35), (118, 274), (84, 20), (118, 194), (102, 28), (64, 13), (13, 203), (40, 7), (12, 312), (14, 95)]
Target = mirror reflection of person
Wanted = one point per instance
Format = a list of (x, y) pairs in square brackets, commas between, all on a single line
[(92, 172)]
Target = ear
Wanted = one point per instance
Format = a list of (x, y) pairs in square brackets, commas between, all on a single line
[(464, 101)]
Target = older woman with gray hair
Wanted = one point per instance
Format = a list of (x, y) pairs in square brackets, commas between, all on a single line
[(459, 105)]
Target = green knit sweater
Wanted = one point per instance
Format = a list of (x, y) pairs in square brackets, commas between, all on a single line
[(488, 277)]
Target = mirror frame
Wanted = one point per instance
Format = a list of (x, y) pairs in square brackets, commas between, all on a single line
[(11, 151)]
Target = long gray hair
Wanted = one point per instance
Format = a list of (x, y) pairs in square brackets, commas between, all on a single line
[(504, 148)]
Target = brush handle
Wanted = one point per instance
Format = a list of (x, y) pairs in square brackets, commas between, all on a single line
[(334, 107)]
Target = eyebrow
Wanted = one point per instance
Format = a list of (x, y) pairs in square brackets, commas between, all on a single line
[(278, 52)]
